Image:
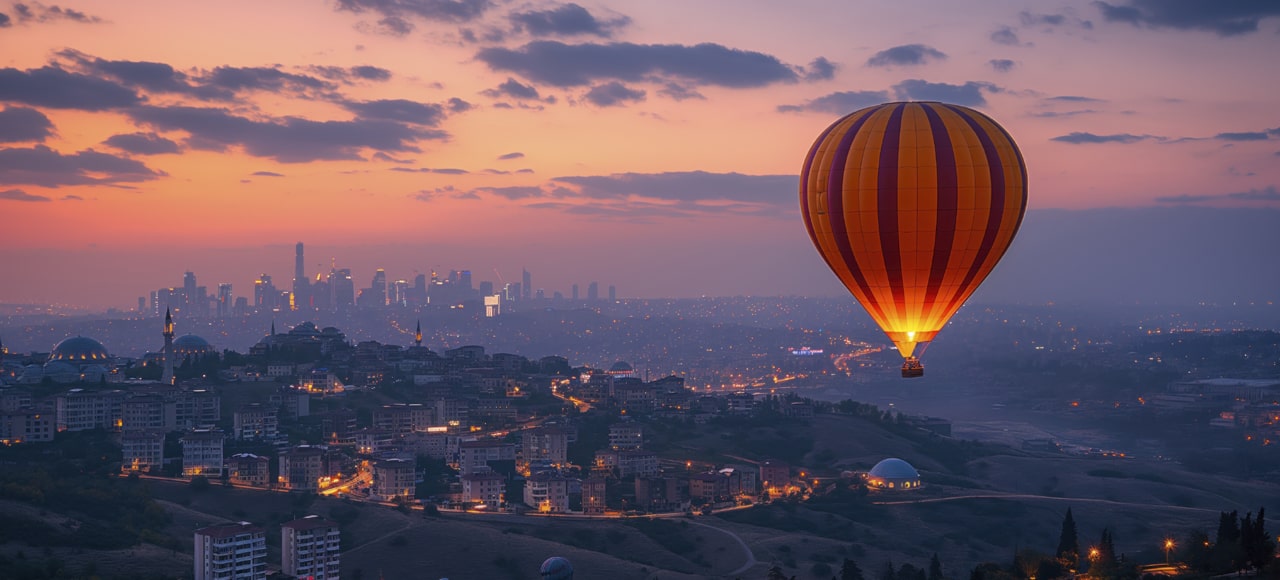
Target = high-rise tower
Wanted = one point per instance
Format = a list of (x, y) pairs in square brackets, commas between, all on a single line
[(301, 298), (417, 335), (167, 377), (526, 284)]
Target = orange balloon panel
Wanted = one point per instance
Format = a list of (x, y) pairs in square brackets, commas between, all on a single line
[(912, 205)]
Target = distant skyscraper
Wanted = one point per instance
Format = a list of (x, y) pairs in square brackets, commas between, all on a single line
[(540, 294), (613, 293), (378, 290), (486, 288), (464, 278), (526, 284), (188, 292), (575, 292), (264, 293), (225, 300), (301, 299), (400, 293), (142, 304), (593, 291), (344, 289)]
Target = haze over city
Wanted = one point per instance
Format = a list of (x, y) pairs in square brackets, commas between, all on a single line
[(309, 290), (655, 145)]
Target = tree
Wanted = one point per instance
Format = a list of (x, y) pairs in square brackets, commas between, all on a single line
[(935, 568), (1069, 542), (909, 572), (775, 573), (1228, 554), (850, 570), (889, 573), (1256, 545)]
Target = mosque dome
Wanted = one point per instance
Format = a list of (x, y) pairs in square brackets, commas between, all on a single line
[(556, 568), (61, 371), (78, 350), (894, 473), (190, 344), (621, 368)]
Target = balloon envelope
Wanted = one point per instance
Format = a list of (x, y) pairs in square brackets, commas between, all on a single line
[(912, 205)]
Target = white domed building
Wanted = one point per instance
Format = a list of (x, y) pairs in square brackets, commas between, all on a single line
[(73, 360), (894, 474)]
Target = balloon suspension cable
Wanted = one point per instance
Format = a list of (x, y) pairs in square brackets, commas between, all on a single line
[(911, 368)]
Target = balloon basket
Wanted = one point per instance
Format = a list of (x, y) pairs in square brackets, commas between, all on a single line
[(912, 368)]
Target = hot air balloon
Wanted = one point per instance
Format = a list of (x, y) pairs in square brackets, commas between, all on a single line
[(912, 205)]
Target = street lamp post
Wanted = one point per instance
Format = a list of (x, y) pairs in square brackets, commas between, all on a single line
[(1168, 546)]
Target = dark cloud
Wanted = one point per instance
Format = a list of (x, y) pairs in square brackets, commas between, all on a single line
[(968, 94), (142, 143), (613, 94), (513, 89), (1006, 36), (440, 170), (512, 155), (23, 124), (820, 69), (19, 195), (405, 111), (371, 73), (839, 103), (1074, 99), (45, 167), (266, 174), (352, 74), (270, 79), (395, 14), (679, 92), (70, 197), (393, 26), (1078, 138), (37, 12), (1032, 19), (1266, 194), (1247, 136), (55, 88), (287, 139), (513, 192), (1226, 18), (1001, 64), (566, 20), (5, 21), (457, 105), (1062, 114), (380, 156), (906, 55), (570, 65)]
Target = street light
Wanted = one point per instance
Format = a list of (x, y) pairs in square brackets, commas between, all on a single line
[(1168, 546), (1094, 554)]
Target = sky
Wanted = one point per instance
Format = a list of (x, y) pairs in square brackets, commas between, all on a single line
[(652, 145)]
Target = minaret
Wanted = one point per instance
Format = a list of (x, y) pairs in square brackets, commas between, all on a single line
[(417, 335), (167, 377)]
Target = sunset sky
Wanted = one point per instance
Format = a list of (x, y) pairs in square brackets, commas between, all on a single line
[(654, 145)]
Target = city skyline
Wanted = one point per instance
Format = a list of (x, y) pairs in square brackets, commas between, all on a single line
[(601, 141)]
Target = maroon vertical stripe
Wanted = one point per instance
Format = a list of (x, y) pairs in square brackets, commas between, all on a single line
[(1022, 169), (804, 185), (835, 211), (994, 215), (948, 195), (887, 207)]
